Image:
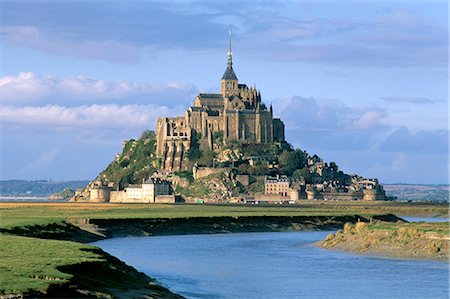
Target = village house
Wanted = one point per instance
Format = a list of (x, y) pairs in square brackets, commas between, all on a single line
[(153, 190), (278, 185)]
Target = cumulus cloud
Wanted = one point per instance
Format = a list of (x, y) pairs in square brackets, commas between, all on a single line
[(28, 87), (412, 100), (109, 116), (120, 33), (323, 114), (37, 38), (395, 37), (402, 140), (332, 124), (366, 36)]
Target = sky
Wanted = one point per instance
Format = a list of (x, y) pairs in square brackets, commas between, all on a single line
[(361, 83)]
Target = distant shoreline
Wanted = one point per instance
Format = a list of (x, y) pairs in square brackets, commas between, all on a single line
[(24, 197)]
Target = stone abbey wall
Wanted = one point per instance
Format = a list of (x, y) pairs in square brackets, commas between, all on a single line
[(237, 112)]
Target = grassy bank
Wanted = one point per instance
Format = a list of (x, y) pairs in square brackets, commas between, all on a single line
[(402, 240), (21, 214), (34, 267), (37, 262)]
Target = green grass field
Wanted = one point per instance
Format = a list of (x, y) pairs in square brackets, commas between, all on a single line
[(31, 264), (21, 214)]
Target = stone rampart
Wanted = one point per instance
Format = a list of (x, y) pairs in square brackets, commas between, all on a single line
[(201, 172), (99, 194)]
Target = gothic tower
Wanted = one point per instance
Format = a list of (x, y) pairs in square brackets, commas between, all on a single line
[(229, 82)]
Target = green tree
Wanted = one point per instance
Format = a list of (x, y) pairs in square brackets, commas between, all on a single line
[(292, 160), (124, 163), (148, 134), (258, 170), (194, 154), (334, 166), (218, 136), (207, 158), (304, 172)]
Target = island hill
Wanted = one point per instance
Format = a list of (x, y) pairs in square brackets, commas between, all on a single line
[(227, 148)]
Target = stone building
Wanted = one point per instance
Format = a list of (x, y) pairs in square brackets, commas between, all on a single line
[(153, 190), (278, 185), (236, 113), (148, 191)]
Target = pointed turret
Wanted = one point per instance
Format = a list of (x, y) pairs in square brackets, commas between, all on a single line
[(271, 110)]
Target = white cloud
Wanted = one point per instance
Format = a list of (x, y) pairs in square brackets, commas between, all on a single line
[(28, 87), (322, 114), (424, 141), (36, 38), (368, 119), (109, 116), (319, 124)]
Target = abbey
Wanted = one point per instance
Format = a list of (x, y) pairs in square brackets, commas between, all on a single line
[(236, 113)]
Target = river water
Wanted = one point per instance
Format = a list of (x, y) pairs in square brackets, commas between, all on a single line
[(275, 265)]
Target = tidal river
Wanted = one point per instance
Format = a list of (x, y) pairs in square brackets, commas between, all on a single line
[(275, 265)]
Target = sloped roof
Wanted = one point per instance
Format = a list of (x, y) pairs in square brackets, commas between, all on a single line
[(229, 74), (210, 95)]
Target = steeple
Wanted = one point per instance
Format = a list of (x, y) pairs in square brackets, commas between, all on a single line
[(229, 82), (230, 54)]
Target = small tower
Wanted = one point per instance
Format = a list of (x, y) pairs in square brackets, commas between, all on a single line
[(229, 82), (271, 110)]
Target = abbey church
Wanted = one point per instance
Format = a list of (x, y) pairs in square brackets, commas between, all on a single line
[(236, 113)]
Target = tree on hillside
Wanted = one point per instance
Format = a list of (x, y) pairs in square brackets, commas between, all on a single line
[(194, 154), (292, 160), (258, 170), (148, 134), (207, 158), (334, 166), (304, 172)]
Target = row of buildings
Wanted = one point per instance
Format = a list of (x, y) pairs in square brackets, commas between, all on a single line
[(281, 187)]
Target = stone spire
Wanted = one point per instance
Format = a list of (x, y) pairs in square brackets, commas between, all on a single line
[(229, 72), (230, 54)]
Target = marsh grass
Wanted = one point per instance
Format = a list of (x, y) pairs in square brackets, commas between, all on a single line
[(21, 214), (32, 264), (417, 239)]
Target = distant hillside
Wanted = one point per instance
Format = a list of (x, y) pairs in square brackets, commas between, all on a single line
[(37, 188), (412, 192)]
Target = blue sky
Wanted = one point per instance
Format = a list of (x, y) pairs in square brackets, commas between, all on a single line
[(362, 83)]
